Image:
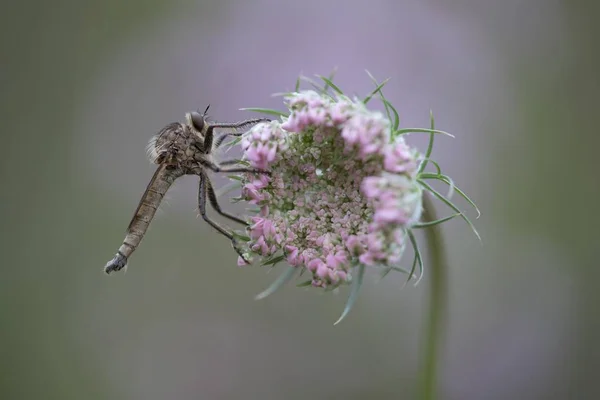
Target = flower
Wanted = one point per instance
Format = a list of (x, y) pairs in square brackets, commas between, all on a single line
[(342, 190)]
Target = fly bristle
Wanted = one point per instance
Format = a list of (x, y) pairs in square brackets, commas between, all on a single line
[(151, 149), (153, 152)]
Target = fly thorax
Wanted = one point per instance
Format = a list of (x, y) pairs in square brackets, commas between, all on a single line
[(174, 144)]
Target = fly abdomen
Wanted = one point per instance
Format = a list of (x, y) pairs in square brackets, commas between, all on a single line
[(157, 188)]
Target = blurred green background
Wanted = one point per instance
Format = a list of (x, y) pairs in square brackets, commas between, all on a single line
[(86, 84)]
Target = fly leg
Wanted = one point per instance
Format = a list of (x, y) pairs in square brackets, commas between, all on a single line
[(217, 168), (222, 138), (208, 138), (240, 124), (212, 198), (202, 192), (229, 162)]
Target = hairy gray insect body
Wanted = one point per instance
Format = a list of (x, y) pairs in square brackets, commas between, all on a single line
[(181, 149)]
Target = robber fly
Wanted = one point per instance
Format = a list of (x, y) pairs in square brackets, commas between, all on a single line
[(183, 149)]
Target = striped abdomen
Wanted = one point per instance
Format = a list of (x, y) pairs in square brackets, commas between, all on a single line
[(157, 188)]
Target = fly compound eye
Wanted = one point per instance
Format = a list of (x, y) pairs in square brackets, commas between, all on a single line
[(197, 120)]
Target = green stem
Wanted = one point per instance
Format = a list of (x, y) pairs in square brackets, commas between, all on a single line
[(435, 318)]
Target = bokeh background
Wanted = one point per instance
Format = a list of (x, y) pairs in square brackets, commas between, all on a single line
[(85, 84)]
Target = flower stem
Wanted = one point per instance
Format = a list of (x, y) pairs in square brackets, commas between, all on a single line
[(434, 328)]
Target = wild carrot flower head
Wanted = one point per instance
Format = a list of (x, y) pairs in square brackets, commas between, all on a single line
[(343, 190), (340, 191)]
